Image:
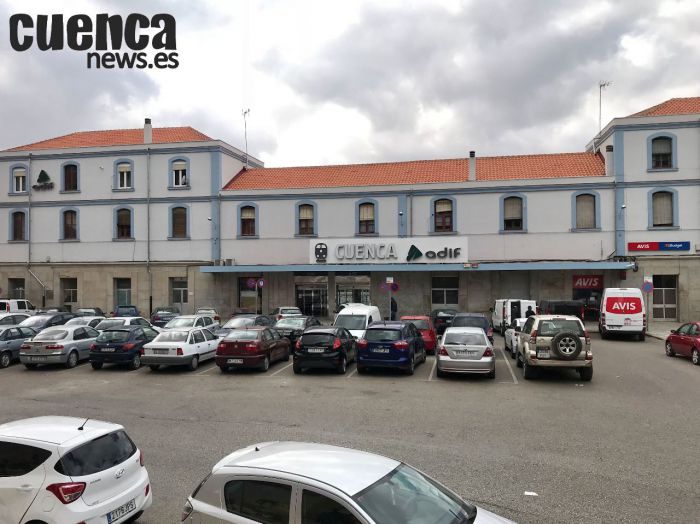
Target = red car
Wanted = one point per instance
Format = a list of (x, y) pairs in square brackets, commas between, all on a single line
[(685, 341), (427, 330), (251, 347)]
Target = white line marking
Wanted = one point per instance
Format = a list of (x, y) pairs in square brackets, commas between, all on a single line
[(510, 368), (432, 371), (280, 370), (353, 372), (530, 494), (207, 370)]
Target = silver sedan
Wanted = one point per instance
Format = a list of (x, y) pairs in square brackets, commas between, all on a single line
[(65, 345), (11, 339), (466, 350)]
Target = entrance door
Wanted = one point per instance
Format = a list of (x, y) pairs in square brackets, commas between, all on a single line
[(312, 301), (665, 297), (178, 293)]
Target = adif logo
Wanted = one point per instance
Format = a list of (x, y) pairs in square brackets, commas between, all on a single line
[(623, 305), (413, 253)]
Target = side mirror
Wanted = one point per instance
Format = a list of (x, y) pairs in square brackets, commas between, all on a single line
[(674, 331)]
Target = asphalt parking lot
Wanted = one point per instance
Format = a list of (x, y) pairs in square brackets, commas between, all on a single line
[(622, 448)]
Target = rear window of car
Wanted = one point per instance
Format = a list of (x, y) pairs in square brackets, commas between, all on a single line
[(77, 321), (479, 322), (51, 335), (97, 455), (420, 324), (465, 339), (549, 328), (106, 324), (180, 322), (242, 334), (317, 339), (172, 336), (17, 460), (113, 336), (34, 321), (290, 322), (239, 322), (382, 335), (290, 311)]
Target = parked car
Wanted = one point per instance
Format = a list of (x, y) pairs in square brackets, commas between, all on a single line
[(85, 321), (506, 309), (281, 482), (293, 327), (65, 469), (11, 340), (164, 314), (190, 321), (427, 330), (12, 319), (121, 345), (11, 305), (576, 308), (391, 344), (209, 311), (51, 309), (126, 311), (356, 317), (243, 321), (324, 347), (65, 345), (253, 347), (466, 350), (511, 335), (90, 312), (285, 311), (685, 341), (39, 322), (550, 341), (622, 312), (177, 347), (473, 320), (442, 319), (113, 322)]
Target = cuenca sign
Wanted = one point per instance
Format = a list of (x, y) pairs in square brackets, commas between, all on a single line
[(658, 246), (588, 281), (389, 250)]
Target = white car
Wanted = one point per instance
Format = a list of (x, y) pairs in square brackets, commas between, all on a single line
[(112, 322), (58, 470), (300, 482), (91, 321), (179, 347), (192, 321), (511, 336)]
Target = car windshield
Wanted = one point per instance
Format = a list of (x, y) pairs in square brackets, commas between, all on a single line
[(51, 335), (36, 321), (479, 322), (351, 322), (290, 311), (239, 322), (110, 323), (420, 324), (172, 336), (78, 321), (112, 336), (290, 322), (382, 335), (465, 339), (242, 334), (406, 495), (549, 328), (180, 322)]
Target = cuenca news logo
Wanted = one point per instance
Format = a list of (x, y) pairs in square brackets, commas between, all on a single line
[(103, 38)]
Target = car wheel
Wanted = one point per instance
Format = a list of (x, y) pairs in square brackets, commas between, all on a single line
[(513, 352), (297, 369), (695, 357), (342, 366), (194, 363), (135, 362), (30, 366), (154, 367), (603, 332), (518, 360), (642, 337), (586, 374), (96, 365), (266, 364), (528, 371), (72, 360), (411, 366), (286, 355), (5, 359), (492, 373), (440, 373), (669, 350)]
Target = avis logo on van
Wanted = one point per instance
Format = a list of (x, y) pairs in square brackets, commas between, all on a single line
[(623, 305)]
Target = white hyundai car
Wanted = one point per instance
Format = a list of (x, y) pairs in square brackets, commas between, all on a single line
[(282, 482), (180, 347), (58, 470)]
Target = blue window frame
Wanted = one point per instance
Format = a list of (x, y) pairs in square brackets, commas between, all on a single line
[(70, 177), (366, 217), (179, 173), (247, 218), (178, 222), (69, 224), (305, 218), (585, 211), (18, 230), (662, 152), (662, 208), (512, 213), (123, 175)]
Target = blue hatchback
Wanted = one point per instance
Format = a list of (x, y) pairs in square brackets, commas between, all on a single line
[(396, 344), (121, 345)]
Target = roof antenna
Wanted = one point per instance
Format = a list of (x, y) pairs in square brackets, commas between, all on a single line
[(245, 113), (81, 427)]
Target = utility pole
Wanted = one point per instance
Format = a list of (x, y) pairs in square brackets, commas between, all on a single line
[(245, 113), (602, 84)]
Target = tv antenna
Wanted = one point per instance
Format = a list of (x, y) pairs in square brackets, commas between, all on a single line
[(245, 113), (601, 85)]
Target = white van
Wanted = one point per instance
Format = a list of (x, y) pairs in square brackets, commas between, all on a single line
[(356, 317), (622, 310), (505, 310), (11, 305)]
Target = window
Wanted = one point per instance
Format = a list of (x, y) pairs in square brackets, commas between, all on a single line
[(124, 224), (70, 225), (265, 502), (16, 286), (585, 212), (665, 297), (16, 460), (122, 292), (70, 177), (124, 176), (306, 219), (19, 180), (513, 214), (198, 337), (662, 153), (179, 222), (662, 209), (98, 455), (178, 291), (443, 215), (19, 223), (366, 225), (248, 221), (317, 509), (445, 290), (180, 174), (69, 289)]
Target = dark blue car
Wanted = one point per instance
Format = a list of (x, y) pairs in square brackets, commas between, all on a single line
[(395, 344), (121, 345)]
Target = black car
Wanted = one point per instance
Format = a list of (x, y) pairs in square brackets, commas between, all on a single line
[(126, 311), (164, 314), (442, 319), (473, 320), (575, 308), (44, 320), (121, 345), (243, 321), (324, 347), (293, 327)]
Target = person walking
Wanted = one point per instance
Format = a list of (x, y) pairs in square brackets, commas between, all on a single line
[(529, 313)]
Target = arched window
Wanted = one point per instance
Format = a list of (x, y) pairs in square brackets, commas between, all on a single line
[(180, 173), (124, 230), (443, 215), (662, 153), (662, 209), (306, 219), (513, 214), (70, 177), (19, 226), (366, 219), (585, 212), (124, 176), (179, 222), (70, 225), (247, 221)]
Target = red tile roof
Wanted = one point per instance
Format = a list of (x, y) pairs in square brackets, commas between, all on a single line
[(674, 106), (563, 165), (116, 137)]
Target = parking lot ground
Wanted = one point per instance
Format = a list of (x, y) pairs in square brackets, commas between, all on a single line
[(622, 448)]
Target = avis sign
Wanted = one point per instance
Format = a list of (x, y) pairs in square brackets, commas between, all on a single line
[(623, 305), (588, 281)]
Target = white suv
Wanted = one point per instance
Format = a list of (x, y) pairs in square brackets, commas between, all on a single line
[(65, 469)]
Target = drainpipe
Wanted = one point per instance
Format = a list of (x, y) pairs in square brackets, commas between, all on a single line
[(29, 210), (148, 230)]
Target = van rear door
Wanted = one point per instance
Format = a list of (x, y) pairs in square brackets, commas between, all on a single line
[(624, 310)]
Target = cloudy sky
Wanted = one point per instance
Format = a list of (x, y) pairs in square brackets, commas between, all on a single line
[(365, 81)]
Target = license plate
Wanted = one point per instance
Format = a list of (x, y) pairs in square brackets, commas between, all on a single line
[(316, 350), (463, 353), (37, 359), (380, 350), (161, 351), (118, 513), (542, 353), (108, 350), (235, 361)]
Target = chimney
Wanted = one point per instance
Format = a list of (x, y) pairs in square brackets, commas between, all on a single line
[(147, 132), (472, 166), (609, 161)]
